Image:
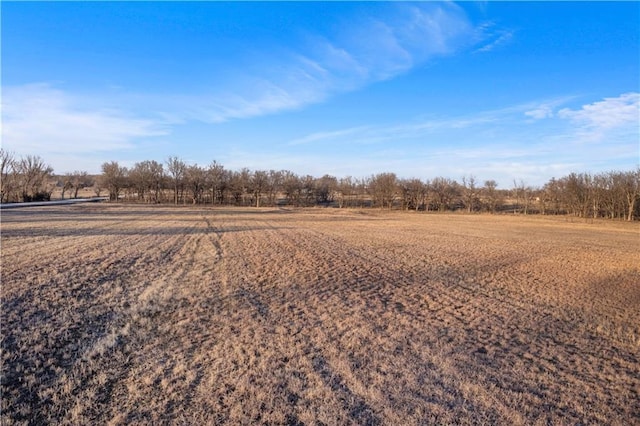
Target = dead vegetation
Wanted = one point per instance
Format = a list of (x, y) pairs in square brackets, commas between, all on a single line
[(151, 315)]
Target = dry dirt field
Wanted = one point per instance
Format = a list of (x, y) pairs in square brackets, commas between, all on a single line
[(161, 315)]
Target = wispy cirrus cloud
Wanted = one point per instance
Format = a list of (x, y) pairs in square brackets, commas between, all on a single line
[(501, 39), (362, 51), (324, 136), (489, 37), (411, 130), (365, 50)]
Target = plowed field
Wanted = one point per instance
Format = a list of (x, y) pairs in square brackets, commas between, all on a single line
[(156, 315)]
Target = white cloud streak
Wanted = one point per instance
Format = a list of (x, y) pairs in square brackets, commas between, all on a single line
[(609, 113), (543, 111), (490, 37), (502, 39), (38, 118), (403, 131), (322, 136), (546, 109)]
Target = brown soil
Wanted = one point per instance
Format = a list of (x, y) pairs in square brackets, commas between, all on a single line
[(150, 315)]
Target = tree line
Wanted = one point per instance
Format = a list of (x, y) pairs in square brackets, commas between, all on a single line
[(29, 178), (613, 195)]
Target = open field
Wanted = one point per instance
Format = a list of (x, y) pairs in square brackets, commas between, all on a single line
[(151, 315)]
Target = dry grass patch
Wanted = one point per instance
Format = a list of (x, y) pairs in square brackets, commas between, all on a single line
[(147, 315)]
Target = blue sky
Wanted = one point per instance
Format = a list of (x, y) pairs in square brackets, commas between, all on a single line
[(498, 90)]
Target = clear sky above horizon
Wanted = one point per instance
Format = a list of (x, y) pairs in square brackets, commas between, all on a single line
[(498, 90)]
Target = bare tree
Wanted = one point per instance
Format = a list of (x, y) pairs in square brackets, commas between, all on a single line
[(577, 189), (66, 184), (274, 186), (346, 191), (33, 174), (444, 191), (308, 183), (292, 187), (527, 193), (470, 192), (114, 177), (362, 191), (177, 169), (7, 175), (227, 195), (140, 180), (158, 180), (239, 184), (196, 182), (98, 185), (216, 181), (259, 181), (551, 196), (80, 180), (491, 195), (326, 188), (383, 188), (598, 194), (615, 197), (244, 182), (148, 179), (413, 193), (630, 182)]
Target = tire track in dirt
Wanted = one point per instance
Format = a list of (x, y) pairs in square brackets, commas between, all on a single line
[(159, 353), (259, 316), (474, 308), (85, 298), (66, 242), (235, 299), (473, 305), (379, 287), (271, 298), (129, 336)]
